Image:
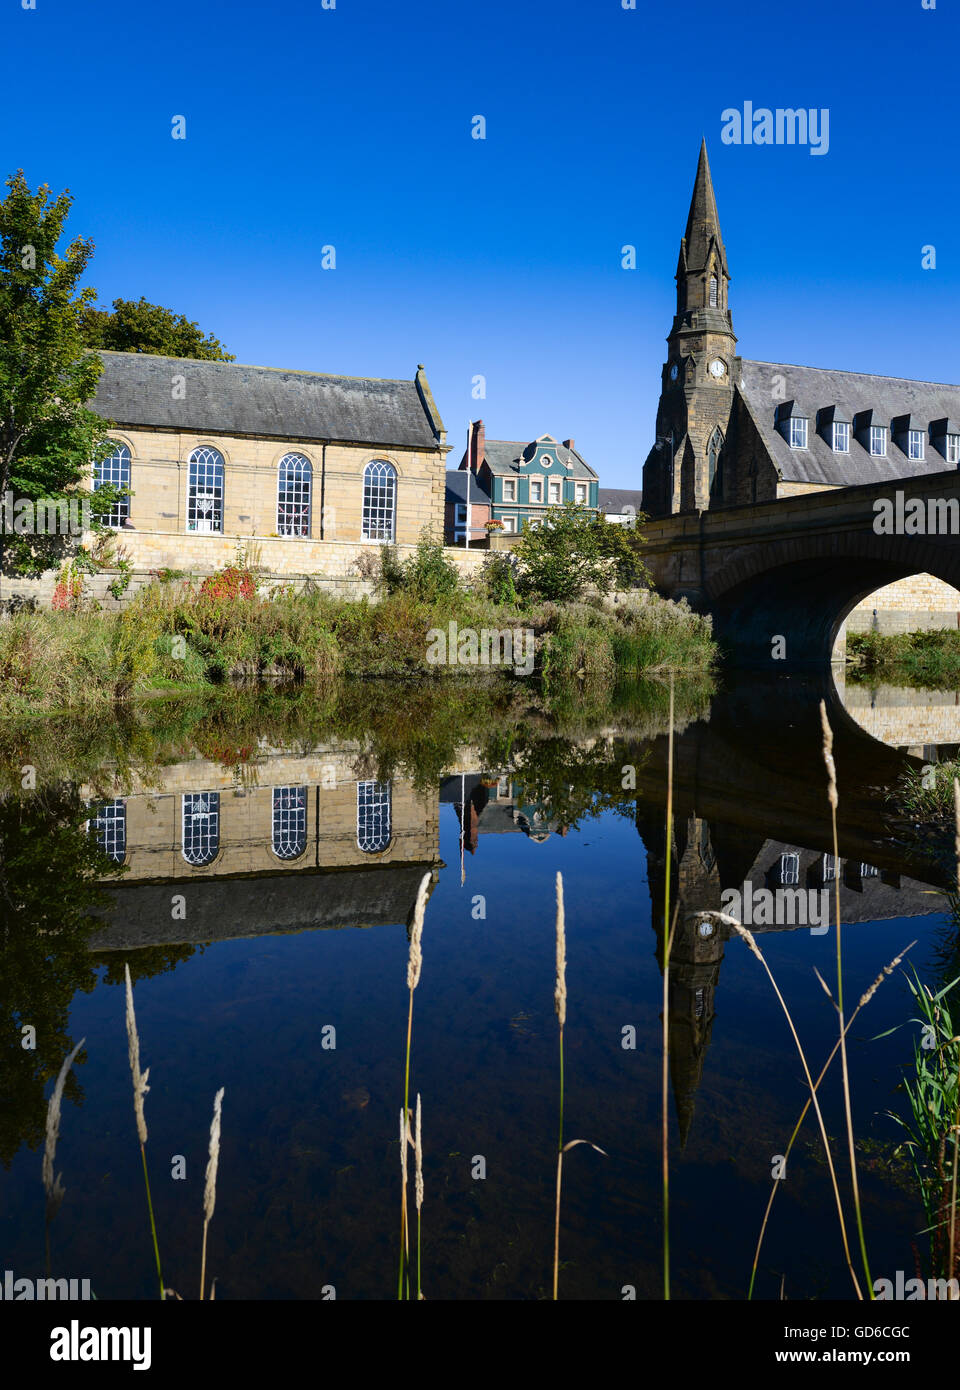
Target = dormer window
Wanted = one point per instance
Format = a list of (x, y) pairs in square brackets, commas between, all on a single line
[(878, 441), (915, 444), (945, 438), (714, 292), (841, 437), (792, 424)]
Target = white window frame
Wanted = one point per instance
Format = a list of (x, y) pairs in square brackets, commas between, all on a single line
[(205, 486), (554, 486), (536, 490), (841, 437), (114, 471), (289, 822), (201, 811), (294, 489), (378, 512), (374, 814), (509, 525), (878, 437), (952, 448), (915, 444), (789, 868), (580, 493), (828, 868), (108, 826), (798, 432), (509, 489)]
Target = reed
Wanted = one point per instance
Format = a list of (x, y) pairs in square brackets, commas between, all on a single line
[(52, 1185), (560, 1004), (834, 800), (724, 919), (668, 928), (418, 1188), (414, 965), (210, 1184), (140, 1089), (864, 1000)]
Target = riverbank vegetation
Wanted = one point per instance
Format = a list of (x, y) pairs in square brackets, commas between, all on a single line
[(179, 635), (930, 660)]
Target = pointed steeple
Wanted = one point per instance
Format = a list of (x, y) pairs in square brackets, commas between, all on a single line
[(703, 221)]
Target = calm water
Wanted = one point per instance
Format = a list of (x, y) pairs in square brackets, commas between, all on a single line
[(243, 962)]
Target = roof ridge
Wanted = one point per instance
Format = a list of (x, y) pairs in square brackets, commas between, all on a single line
[(843, 371), (254, 366)]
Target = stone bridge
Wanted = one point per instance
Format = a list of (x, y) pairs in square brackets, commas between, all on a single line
[(795, 567)]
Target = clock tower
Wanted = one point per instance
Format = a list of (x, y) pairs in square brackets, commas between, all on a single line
[(683, 469)]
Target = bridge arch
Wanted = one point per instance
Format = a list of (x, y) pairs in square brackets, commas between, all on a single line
[(802, 588)]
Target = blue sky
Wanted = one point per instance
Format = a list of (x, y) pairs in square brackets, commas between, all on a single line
[(352, 127)]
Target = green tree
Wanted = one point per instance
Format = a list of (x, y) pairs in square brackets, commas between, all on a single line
[(138, 326), (575, 549), (48, 438)]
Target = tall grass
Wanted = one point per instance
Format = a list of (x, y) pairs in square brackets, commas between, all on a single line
[(140, 1089), (414, 966), (210, 1182), (864, 1000), (560, 1004), (932, 1123), (52, 1185), (834, 801), (668, 928)]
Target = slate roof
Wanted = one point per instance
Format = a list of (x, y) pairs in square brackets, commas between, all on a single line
[(228, 398), (503, 457), (457, 488), (764, 385), (617, 499), (224, 909)]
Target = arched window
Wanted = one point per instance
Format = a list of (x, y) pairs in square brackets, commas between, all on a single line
[(114, 471), (289, 822), (108, 826), (205, 491), (379, 501), (294, 478), (373, 816), (714, 292), (713, 460), (201, 827)]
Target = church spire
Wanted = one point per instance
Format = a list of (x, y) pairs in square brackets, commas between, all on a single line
[(703, 223)]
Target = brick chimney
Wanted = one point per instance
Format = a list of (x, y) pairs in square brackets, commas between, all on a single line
[(478, 444), (568, 443)]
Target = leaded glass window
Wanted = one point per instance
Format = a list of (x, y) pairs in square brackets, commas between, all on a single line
[(289, 822), (205, 491), (373, 816), (201, 827), (294, 479), (379, 501)]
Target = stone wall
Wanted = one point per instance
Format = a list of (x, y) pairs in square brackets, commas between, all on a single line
[(338, 566)]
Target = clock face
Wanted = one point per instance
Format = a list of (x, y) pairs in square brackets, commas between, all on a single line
[(674, 372), (717, 368)]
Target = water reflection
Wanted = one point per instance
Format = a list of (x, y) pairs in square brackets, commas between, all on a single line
[(279, 833)]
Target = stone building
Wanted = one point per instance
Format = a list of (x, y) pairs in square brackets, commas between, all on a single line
[(731, 431), (303, 470)]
